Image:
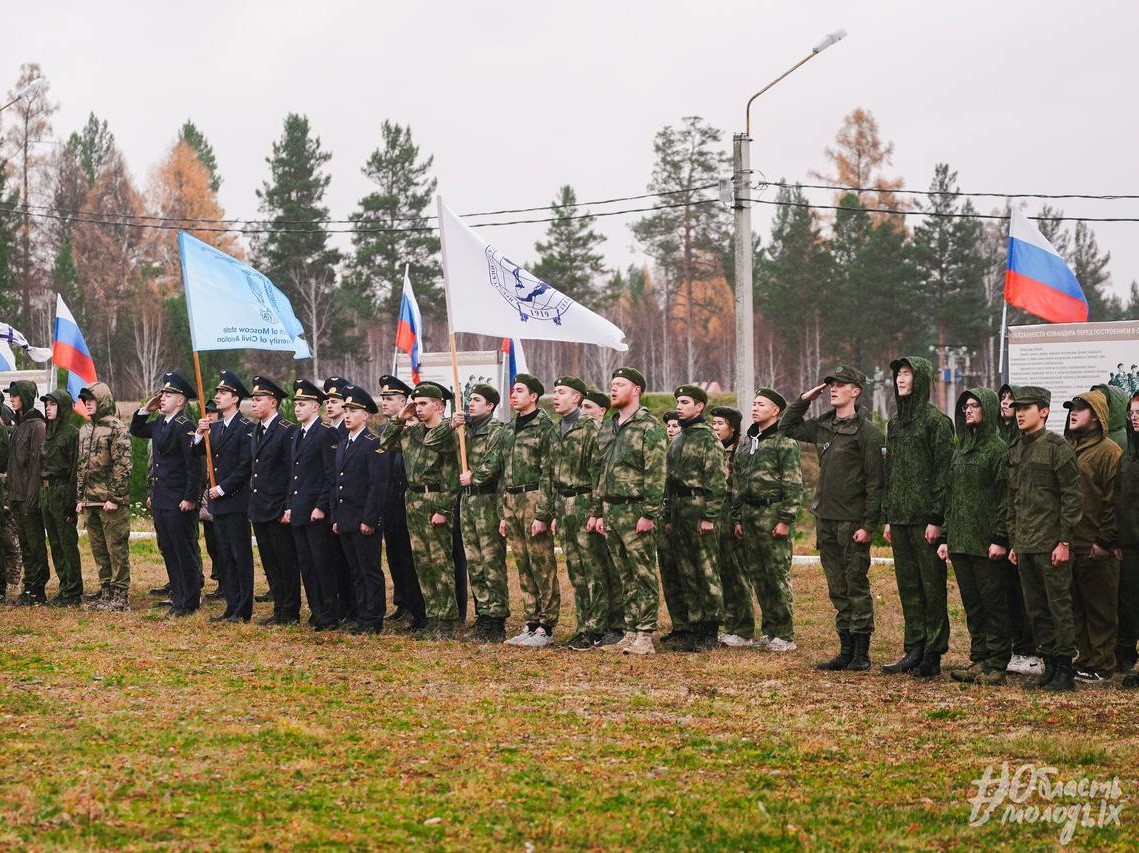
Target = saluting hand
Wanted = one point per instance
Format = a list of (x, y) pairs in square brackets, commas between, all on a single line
[(151, 405), (407, 412), (814, 392)]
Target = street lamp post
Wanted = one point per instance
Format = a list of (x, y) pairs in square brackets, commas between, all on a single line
[(27, 92), (741, 178)]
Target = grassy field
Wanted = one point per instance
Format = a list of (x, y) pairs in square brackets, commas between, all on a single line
[(131, 731)]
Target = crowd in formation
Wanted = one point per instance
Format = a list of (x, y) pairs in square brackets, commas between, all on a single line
[(1042, 531)]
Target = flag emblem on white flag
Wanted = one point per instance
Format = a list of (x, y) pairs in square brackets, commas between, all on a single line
[(489, 294)]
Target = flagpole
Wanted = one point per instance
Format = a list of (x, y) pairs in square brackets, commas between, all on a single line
[(202, 410), (451, 334), (1004, 327)]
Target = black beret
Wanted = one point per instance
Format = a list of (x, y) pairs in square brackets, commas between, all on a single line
[(732, 416), (597, 397), (694, 391), (532, 382), (571, 382), (487, 392), (632, 374), (774, 396)]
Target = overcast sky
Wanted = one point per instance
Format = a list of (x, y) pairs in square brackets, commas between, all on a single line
[(514, 99)]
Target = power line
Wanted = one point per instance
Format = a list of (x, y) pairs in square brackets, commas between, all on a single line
[(894, 212), (954, 193)]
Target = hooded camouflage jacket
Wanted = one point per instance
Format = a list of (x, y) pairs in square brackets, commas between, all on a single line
[(104, 454), (978, 477), (850, 463), (919, 447), (767, 473), (1098, 458), (631, 463), (1117, 403), (61, 445), (1044, 502), (1127, 491), (570, 468), (527, 442), (696, 468), (1008, 430), (27, 440), (429, 458)]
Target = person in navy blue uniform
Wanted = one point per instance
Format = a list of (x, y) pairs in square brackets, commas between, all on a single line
[(334, 417), (175, 487), (313, 457), (407, 597), (270, 476), (228, 499), (357, 508)]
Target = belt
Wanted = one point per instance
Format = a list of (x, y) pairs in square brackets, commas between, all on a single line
[(484, 489), (424, 490), (580, 490), (685, 491), (760, 503), (517, 490), (623, 499)]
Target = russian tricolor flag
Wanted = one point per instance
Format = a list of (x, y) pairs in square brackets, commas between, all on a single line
[(515, 357), (69, 351), (1038, 280), (407, 333)]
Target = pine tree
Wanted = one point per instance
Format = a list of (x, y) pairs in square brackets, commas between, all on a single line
[(9, 223), (1090, 268), (91, 145), (193, 137), (388, 241), (568, 258)]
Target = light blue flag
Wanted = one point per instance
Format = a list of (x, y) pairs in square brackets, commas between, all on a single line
[(232, 306)]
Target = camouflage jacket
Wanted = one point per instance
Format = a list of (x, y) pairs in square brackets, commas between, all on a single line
[(484, 451), (430, 459), (27, 446), (5, 446), (697, 468), (1044, 500), (1127, 491), (571, 466), (978, 480), (919, 448), (61, 446), (527, 442), (1098, 458), (631, 463), (766, 472), (850, 463), (104, 468)]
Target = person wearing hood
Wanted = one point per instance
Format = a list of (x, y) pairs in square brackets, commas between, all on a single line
[(10, 557), (24, 489), (1117, 401), (739, 617), (102, 489), (1127, 519), (1095, 570), (976, 540), (919, 449), (57, 472)]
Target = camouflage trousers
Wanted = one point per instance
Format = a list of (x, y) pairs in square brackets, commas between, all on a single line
[(534, 557), (846, 565), (921, 576), (13, 560), (697, 557), (58, 502), (982, 585), (599, 550), (670, 584), (109, 535), (635, 556), (1048, 600), (1095, 611), (434, 560), (739, 614), (590, 589), (767, 563), (486, 555), (33, 544)]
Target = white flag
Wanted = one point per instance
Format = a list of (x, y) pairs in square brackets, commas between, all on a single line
[(14, 336), (489, 294)]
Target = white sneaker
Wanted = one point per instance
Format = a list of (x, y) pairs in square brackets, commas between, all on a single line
[(538, 640), (761, 642), (778, 644), (522, 639), (735, 641), (1033, 665)]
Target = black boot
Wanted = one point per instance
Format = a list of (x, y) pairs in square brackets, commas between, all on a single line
[(496, 630), (930, 666), (1046, 677), (861, 660), (1064, 679), (844, 656), (906, 662)]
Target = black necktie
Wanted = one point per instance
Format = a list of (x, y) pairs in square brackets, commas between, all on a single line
[(260, 432)]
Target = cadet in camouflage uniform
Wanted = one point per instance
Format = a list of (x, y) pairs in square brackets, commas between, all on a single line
[(566, 493), (1044, 507), (628, 503), (847, 505), (432, 465), (9, 537), (478, 514), (1127, 518), (24, 489), (695, 494), (678, 637), (102, 489), (919, 448), (767, 492), (527, 442), (57, 497), (739, 617), (976, 540), (595, 405)]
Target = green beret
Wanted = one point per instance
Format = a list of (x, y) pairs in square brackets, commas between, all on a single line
[(571, 382), (1027, 395), (694, 391), (487, 392), (774, 396), (597, 397), (729, 414), (532, 382), (844, 373), (632, 374), (428, 389)]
